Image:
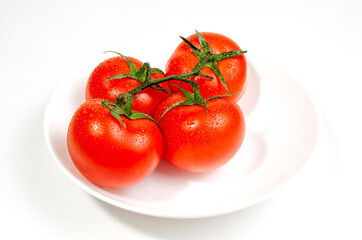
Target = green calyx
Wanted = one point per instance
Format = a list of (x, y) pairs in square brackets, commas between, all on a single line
[(123, 105), (194, 98), (213, 59), (143, 74)]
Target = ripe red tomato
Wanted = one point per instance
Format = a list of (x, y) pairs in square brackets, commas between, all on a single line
[(97, 86), (197, 142), (234, 70), (109, 154)]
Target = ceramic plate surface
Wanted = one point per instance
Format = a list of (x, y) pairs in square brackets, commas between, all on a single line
[(282, 129)]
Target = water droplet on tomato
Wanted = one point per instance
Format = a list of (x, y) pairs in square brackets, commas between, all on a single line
[(234, 70), (191, 122), (223, 50)]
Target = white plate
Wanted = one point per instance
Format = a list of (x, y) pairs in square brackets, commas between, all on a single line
[(282, 129)]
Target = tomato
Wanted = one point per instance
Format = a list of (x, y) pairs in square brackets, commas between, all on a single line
[(234, 70), (97, 86), (195, 141), (108, 153)]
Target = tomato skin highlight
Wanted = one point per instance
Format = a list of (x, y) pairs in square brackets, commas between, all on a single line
[(109, 154), (234, 70), (97, 86), (197, 142)]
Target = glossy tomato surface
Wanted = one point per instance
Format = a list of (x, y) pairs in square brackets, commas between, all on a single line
[(195, 141), (108, 153), (234, 70), (97, 86)]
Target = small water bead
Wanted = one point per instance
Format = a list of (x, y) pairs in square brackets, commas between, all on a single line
[(95, 129), (218, 120), (140, 140), (191, 122)]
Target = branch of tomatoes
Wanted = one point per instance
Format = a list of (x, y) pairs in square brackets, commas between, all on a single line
[(206, 58), (111, 155)]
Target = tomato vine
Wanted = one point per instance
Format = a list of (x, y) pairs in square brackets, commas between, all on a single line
[(123, 103)]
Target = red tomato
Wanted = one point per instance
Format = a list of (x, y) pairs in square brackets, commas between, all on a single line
[(109, 154), (234, 69), (97, 86), (197, 142)]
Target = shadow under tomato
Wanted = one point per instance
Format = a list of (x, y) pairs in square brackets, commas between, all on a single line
[(78, 95), (167, 181), (159, 186), (250, 158), (251, 96)]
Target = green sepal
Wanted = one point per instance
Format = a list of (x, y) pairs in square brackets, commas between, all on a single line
[(188, 96), (141, 74), (194, 98), (158, 87), (139, 115), (195, 50), (203, 104), (220, 96), (156, 70), (203, 61), (115, 111), (213, 66), (204, 44), (184, 103), (106, 103), (191, 99), (120, 76), (206, 76), (198, 99), (197, 95), (226, 55), (148, 72), (132, 67)]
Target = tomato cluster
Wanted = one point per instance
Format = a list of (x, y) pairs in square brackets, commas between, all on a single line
[(134, 115)]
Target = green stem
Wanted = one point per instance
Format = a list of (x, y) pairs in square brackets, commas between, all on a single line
[(181, 77)]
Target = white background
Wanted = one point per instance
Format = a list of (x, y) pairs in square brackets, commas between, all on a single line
[(319, 43)]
